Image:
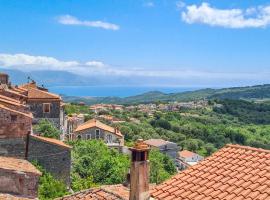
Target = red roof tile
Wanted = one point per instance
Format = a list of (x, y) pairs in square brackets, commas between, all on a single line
[(234, 172)]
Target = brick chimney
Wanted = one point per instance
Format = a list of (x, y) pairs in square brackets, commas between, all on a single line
[(139, 171), (3, 78)]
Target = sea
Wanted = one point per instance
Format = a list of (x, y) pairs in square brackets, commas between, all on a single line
[(115, 91)]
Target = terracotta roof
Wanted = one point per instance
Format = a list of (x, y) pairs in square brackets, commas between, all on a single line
[(156, 142), (10, 101), (186, 154), (34, 93), (17, 165), (95, 123), (116, 192), (51, 141), (28, 114), (234, 172)]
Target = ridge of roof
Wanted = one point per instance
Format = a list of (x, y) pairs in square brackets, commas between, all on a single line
[(234, 172), (248, 148), (52, 141)]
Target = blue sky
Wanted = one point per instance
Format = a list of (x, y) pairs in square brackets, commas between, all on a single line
[(192, 43)]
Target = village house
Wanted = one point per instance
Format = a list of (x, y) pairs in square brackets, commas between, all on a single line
[(94, 129), (16, 126), (44, 105), (187, 158), (18, 179), (166, 147)]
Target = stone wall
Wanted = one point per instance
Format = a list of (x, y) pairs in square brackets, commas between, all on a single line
[(53, 158), (36, 107), (18, 183), (13, 147)]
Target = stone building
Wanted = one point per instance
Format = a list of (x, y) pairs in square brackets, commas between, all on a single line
[(44, 105), (18, 177), (94, 129), (53, 155), (16, 125), (166, 147)]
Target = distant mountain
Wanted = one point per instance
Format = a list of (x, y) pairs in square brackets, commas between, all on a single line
[(257, 92), (50, 78)]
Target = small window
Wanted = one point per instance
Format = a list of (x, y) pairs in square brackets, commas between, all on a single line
[(79, 137), (13, 118), (46, 108), (109, 138), (88, 136), (97, 134)]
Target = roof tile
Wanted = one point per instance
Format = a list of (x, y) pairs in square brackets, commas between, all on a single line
[(234, 172)]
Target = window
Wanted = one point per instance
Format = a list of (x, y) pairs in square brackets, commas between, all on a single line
[(79, 137), (109, 138), (97, 134), (46, 108), (88, 136), (13, 118)]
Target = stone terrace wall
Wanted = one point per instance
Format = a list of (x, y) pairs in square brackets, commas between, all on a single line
[(53, 158)]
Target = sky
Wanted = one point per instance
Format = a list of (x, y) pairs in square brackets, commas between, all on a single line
[(171, 42)]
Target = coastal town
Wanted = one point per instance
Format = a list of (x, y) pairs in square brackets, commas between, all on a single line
[(232, 172)]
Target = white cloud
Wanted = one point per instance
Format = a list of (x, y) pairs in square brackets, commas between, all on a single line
[(149, 4), (26, 62), (71, 20), (255, 17)]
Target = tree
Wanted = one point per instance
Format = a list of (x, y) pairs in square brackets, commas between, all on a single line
[(49, 187), (210, 148), (161, 167), (94, 159), (47, 129)]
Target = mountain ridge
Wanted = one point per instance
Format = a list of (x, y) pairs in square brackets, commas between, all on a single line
[(256, 92)]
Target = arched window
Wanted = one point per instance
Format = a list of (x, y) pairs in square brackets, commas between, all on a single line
[(79, 137)]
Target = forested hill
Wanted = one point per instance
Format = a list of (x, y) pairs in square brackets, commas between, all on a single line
[(257, 92)]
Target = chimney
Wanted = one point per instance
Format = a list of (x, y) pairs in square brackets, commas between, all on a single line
[(139, 171), (4, 78)]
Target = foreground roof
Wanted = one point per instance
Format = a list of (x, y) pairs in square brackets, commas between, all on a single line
[(234, 172), (111, 192), (95, 123), (17, 165)]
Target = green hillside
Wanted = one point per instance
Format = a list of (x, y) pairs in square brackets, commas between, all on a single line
[(258, 92)]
